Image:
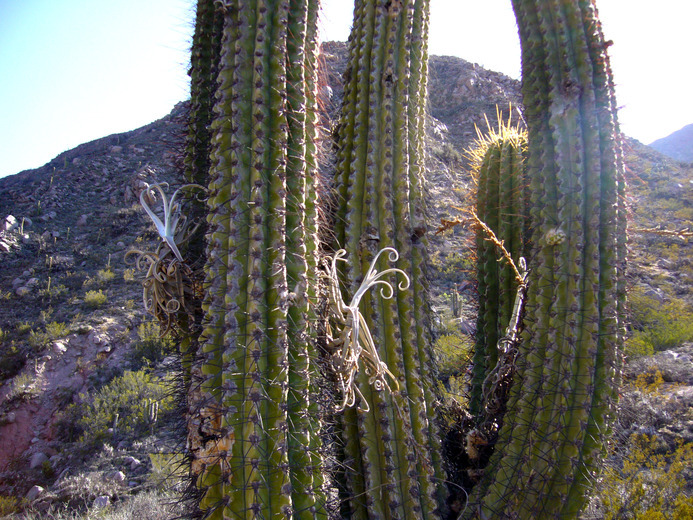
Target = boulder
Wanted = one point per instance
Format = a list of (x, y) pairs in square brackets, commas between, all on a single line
[(34, 493), (37, 459), (101, 501), (10, 223)]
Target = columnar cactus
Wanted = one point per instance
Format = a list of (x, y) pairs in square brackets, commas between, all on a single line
[(203, 71), (551, 439), (391, 445), (502, 205), (252, 434)]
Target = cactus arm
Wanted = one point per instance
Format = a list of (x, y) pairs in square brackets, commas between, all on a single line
[(570, 337)]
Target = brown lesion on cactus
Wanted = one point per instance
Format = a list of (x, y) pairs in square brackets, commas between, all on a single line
[(209, 443)]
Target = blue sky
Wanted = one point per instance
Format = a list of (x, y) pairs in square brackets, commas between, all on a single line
[(77, 70)]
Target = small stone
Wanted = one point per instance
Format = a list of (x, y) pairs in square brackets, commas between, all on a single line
[(116, 149), (10, 223), (32, 282), (10, 417), (17, 282), (26, 273), (34, 493), (37, 459), (134, 463), (116, 476), (82, 220), (4, 246), (101, 501), (22, 291), (59, 347)]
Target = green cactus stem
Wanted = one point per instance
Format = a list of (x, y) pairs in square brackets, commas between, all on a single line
[(499, 167), (551, 441), (253, 435), (390, 443)]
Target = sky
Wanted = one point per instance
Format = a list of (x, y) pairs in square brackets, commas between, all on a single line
[(77, 70)]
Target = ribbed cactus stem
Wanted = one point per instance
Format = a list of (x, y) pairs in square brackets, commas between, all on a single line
[(254, 435), (552, 436), (499, 167), (203, 73), (391, 450)]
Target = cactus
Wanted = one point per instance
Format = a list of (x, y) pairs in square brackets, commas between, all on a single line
[(502, 206), (390, 442), (455, 303), (204, 59), (252, 432), (552, 436)]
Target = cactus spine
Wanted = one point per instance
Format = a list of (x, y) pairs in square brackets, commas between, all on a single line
[(392, 450), (551, 439), (502, 206), (252, 437)]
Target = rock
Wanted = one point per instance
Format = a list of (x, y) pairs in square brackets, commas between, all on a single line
[(22, 291), (129, 196), (82, 220), (116, 149), (101, 501), (134, 463), (116, 476), (10, 417), (37, 459), (10, 223), (34, 493), (5, 246), (27, 222), (17, 282), (59, 347)]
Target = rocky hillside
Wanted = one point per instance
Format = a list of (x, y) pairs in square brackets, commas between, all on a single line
[(678, 145), (74, 337)]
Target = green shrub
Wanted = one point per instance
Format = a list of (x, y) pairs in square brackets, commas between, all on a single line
[(656, 325), (9, 505), (95, 299), (56, 330), (125, 396), (22, 328), (151, 346), (649, 483), (453, 352), (105, 275)]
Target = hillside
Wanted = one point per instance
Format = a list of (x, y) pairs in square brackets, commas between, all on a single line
[(71, 316), (678, 145)]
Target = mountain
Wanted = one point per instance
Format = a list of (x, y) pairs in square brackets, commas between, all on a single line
[(75, 341), (678, 145)]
